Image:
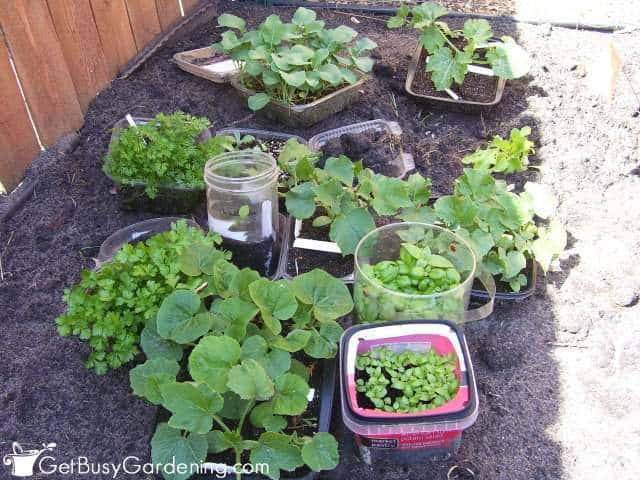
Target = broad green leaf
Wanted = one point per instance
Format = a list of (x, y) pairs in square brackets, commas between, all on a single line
[(299, 368), (253, 68), (258, 101), (431, 39), (270, 78), (395, 22), (299, 55), (273, 31), (147, 378), (233, 315), (341, 168), (477, 30), (389, 195), (241, 282), (509, 60), (514, 263), (295, 79), (275, 300), (331, 330), (429, 11), (154, 346), (321, 221), (455, 211), (255, 347), (300, 201), (319, 56), (231, 21), (211, 360), (250, 381), (482, 241), (330, 194), (422, 214), (347, 230), (170, 447), (328, 296), (419, 189), (364, 64), (220, 441), (550, 243), (262, 416), (198, 258), (193, 406), (348, 76), (343, 34), (277, 451), (321, 453), (481, 159), (229, 41), (446, 68), (295, 340), (291, 395), (234, 407), (179, 320), (365, 44), (224, 275), (330, 73), (320, 347), (303, 16)]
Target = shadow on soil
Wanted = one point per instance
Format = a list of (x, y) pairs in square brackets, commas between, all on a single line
[(47, 395)]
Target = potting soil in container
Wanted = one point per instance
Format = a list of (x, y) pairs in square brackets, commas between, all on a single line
[(408, 435)]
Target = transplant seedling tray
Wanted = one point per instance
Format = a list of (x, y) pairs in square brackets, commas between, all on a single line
[(503, 292), (207, 63), (459, 105), (170, 199), (307, 114), (397, 166), (321, 406)]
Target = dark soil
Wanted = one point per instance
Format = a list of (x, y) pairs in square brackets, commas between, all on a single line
[(575, 338), (375, 149)]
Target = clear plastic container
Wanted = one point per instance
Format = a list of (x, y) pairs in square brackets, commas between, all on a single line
[(242, 206), (375, 303), (399, 166), (407, 438)]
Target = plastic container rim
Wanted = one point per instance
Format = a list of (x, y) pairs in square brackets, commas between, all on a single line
[(359, 271), (230, 158)]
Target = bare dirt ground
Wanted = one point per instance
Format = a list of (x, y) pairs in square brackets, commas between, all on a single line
[(558, 374)]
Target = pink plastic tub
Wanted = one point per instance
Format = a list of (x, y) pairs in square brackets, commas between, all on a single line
[(408, 437)]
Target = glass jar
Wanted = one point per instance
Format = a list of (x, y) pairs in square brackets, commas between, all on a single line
[(376, 303), (242, 206)]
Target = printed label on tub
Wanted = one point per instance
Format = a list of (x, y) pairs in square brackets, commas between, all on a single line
[(410, 441)]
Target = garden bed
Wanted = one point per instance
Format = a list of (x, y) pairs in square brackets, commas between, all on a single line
[(47, 242)]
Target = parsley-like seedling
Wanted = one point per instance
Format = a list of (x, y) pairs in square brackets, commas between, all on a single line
[(504, 155), (295, 62), (450, 52), (407, 381)]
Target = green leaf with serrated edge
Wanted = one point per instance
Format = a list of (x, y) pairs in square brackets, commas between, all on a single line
[(422, 214), (303, 16), (234, 407), (341, 168), (170, 447), (300, 201), (192, 405), (240, 283), (275, 300), (389, 195), (235, 314), (211, 360), (477, 30), (331, 330), (321, 453), (198, 258), (429, 11), (419, 189), (328, 296), (262, 416), (514, 263), (224, 274), (550, 243), (295, 340), (481, 159), (178, 317), (250, 381), (154, 346), (431, 39), (329, 194), (320, 347), (277, 362), (277, 451), (147, 378), (509, 60), (291, 395), (445, 67), (255, 347), (395, 22), (347, 230), (300, 369), (231, 21), (258, 101), (455, 211)]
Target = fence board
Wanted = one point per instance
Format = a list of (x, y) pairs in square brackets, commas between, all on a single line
[(143, 16), (189, 5), (80, 41), (41, 67), (18, 144), (168, 13), (116, 36)]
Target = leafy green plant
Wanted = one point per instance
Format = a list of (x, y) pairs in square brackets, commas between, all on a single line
[(504, 155), (417, 271), (164, 152), (109, 307), (406, 381), (239, 332), (295, 62), (450, 52), (297, 163), (500, 225), (347, 194)]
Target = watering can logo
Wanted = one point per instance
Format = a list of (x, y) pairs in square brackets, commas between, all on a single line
[(22, 460)]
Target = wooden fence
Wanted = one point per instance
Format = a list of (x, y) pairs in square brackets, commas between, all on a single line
[(55, 56)]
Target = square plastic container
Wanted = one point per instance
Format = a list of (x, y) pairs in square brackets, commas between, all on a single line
[(219, 71), (407, 438), (402, 164)]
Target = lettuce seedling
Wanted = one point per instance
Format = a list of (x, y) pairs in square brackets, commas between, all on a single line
[(504, 155), (295, 62), (450, 52)]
